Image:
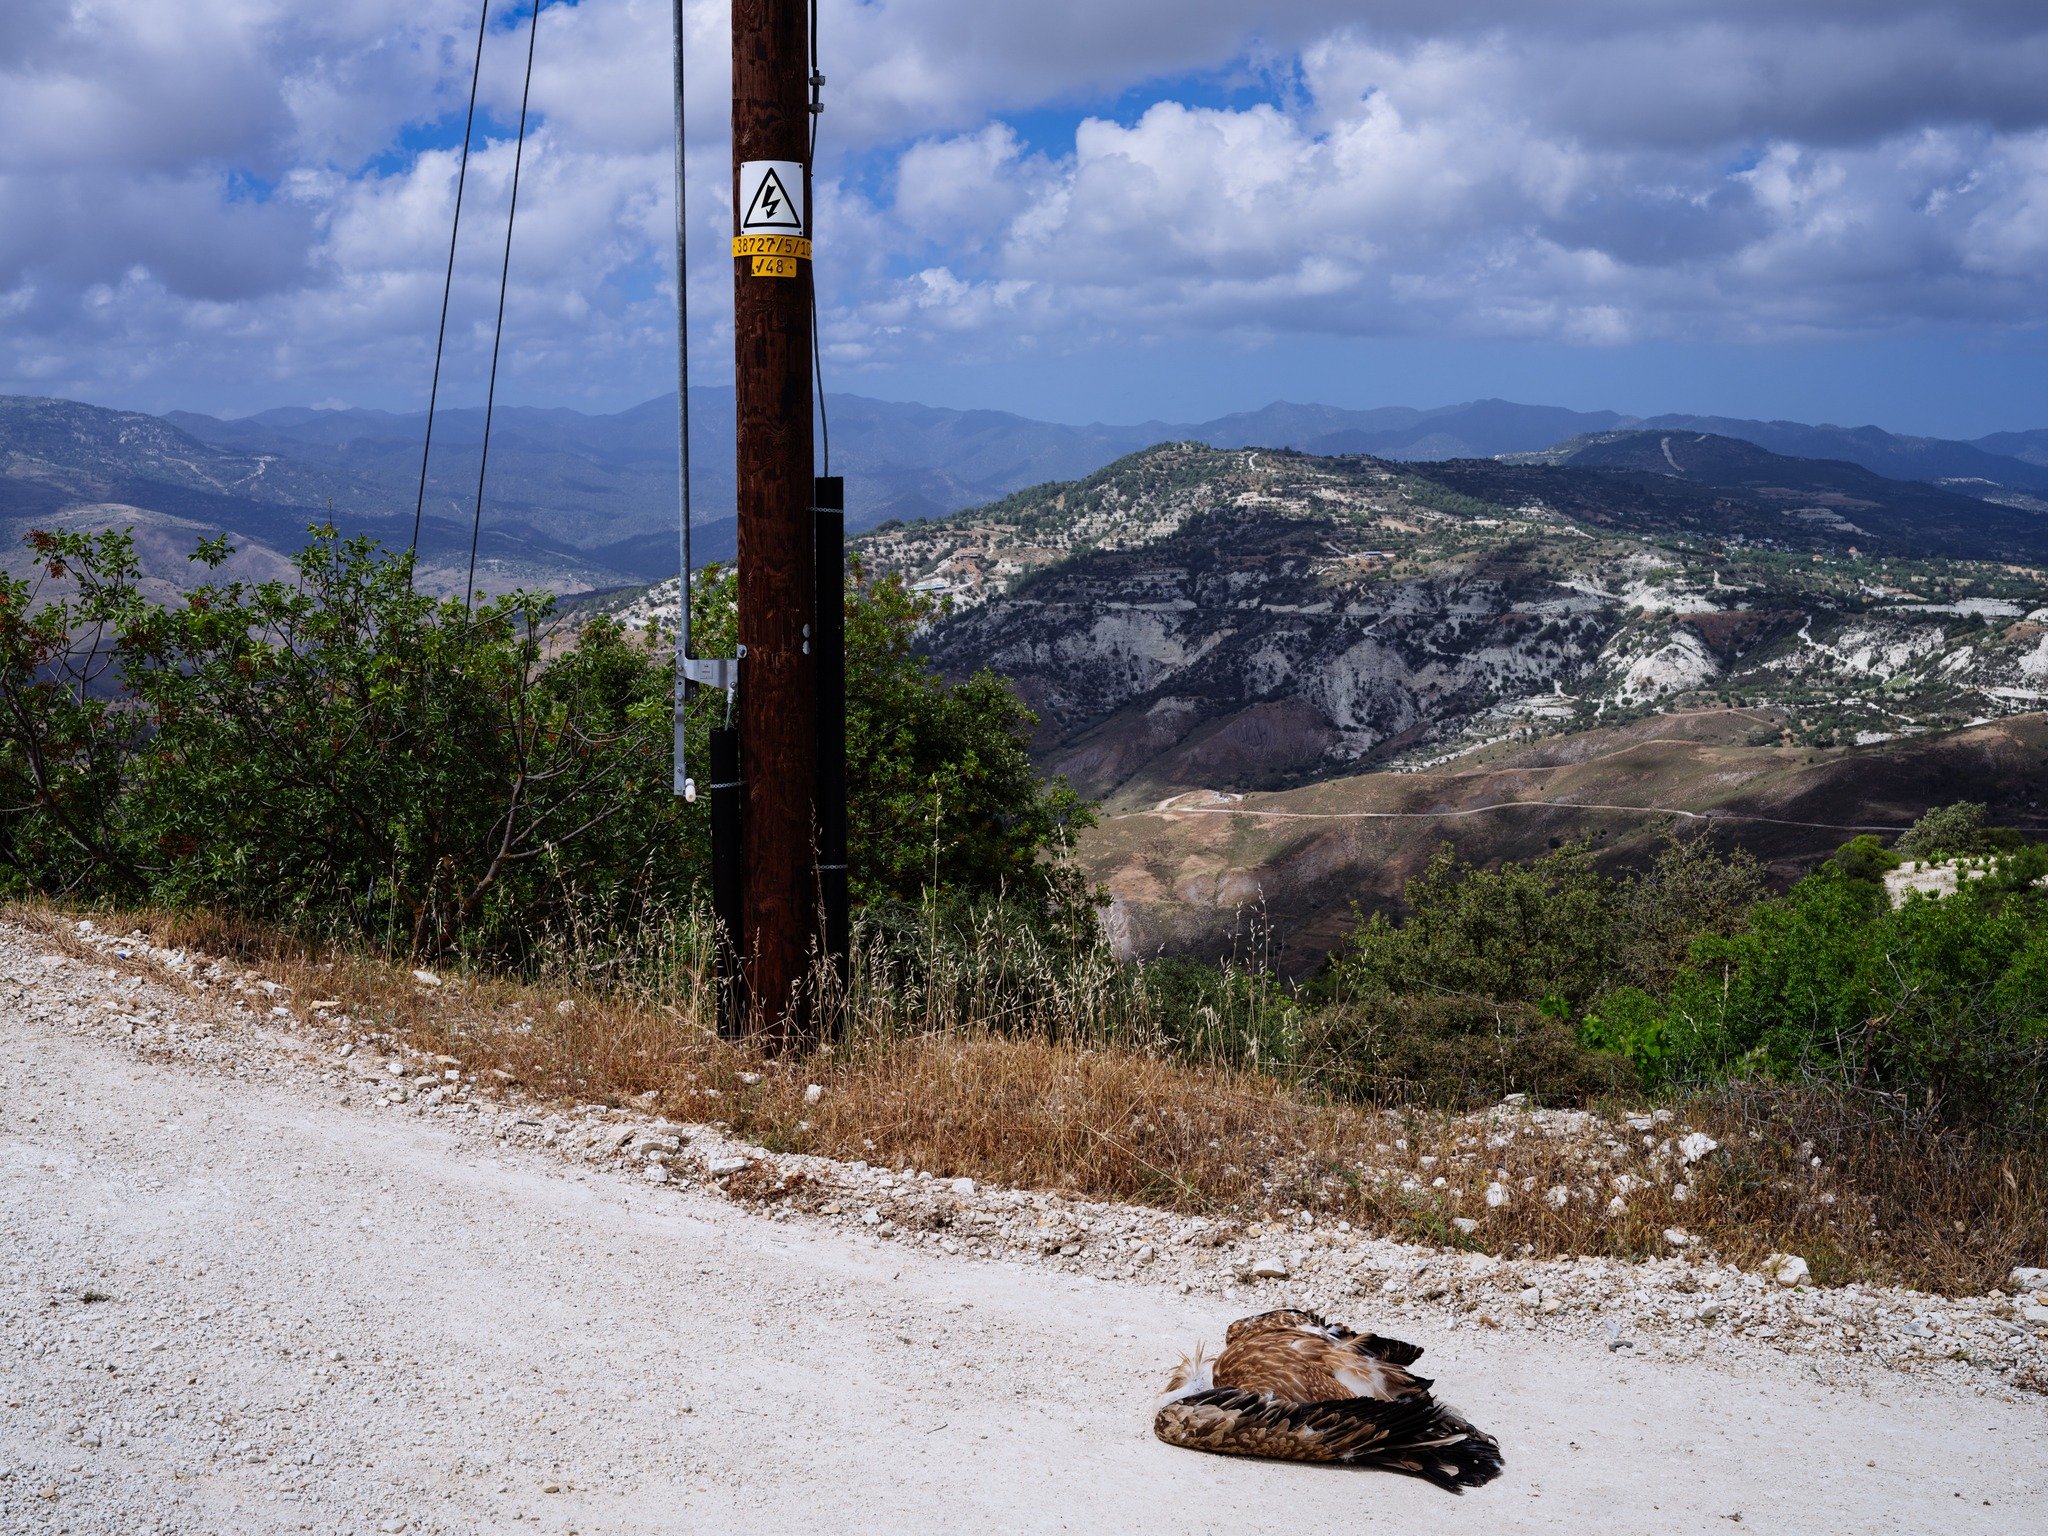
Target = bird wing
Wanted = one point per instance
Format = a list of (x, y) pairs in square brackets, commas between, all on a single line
[(1281, 1319), (1415, 1436), (1233, 1422), (1303, 1365), (1300, 1319)]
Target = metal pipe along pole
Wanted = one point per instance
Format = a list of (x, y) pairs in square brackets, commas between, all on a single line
[(772, 359), (728, 880), (829, 643)]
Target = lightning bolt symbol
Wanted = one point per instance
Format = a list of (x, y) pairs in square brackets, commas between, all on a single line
[(771, 201)]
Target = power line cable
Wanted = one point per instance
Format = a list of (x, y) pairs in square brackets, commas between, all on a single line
[(448, 287), (504, 282), (682, 345), (817, 343)]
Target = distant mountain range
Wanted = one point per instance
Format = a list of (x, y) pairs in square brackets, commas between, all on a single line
[(65, 465), (2029, 447), (607, 484), (1984, 461), (576, 500)]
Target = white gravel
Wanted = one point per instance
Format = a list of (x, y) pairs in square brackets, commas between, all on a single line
[(250, 1285)]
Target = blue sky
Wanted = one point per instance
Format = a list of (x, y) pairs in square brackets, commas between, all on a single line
[(1077, 209)]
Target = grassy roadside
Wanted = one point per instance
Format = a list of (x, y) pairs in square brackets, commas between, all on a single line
[(950, 1078)]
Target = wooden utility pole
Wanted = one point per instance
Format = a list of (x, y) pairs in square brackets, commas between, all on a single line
[(772, 358)]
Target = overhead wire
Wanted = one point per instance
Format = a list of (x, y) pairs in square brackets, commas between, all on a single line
[(817, 83), (447, 289), (682, 344), (504, 282)]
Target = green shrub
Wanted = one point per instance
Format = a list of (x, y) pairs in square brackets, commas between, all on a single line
[(1864, 858), (1458, 1053), (1694, 888), (1944, 831), (343, 753), (1553, 931), (1956, 831), (1522, 933), (1944, 1002), (942, 794)]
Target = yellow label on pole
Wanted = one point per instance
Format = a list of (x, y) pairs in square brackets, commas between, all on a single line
[(771, 245), (775, 266)]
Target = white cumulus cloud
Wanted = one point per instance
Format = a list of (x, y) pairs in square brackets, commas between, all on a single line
[(227, 203)]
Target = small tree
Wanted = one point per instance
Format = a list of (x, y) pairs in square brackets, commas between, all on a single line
[(1946, 832), (943, 797), (66, 735), (1692, 891), (1539, 932), (1864, 857)]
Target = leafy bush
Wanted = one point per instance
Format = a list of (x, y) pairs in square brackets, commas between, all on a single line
[(1692, 976), (345, 753), (942, 794), (1554, 932), (1523, 933), (1957, 831), (1944, 832), (1942, 1001), (1864, 858), (1693, 889), (1458, 1053), (1472, 994)]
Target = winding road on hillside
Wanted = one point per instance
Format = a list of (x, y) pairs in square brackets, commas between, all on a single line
[(1168, 808), (234, 1300)]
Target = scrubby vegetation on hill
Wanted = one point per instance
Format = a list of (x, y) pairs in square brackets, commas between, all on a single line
[(1692, 973)]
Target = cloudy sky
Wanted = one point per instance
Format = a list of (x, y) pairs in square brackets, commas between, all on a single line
[(1080, 209)]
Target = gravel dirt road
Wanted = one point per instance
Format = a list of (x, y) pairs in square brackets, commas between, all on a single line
[(230, 1302)]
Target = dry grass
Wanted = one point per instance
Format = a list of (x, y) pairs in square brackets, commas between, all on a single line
[(954, 1080)]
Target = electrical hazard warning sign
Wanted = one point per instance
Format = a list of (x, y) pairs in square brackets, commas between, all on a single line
[(774, 231), (772, 198), (771, 203)]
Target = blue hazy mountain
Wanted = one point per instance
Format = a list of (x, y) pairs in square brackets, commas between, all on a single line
[(599, 490), (2029, 447), (1889, 454)]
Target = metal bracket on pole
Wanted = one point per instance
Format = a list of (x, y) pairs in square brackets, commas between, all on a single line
[(712, 671), (708, 672), (705, 671)]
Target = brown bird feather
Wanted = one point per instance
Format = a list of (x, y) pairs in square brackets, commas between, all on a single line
[(1296, 1387), (1298, 1357)]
